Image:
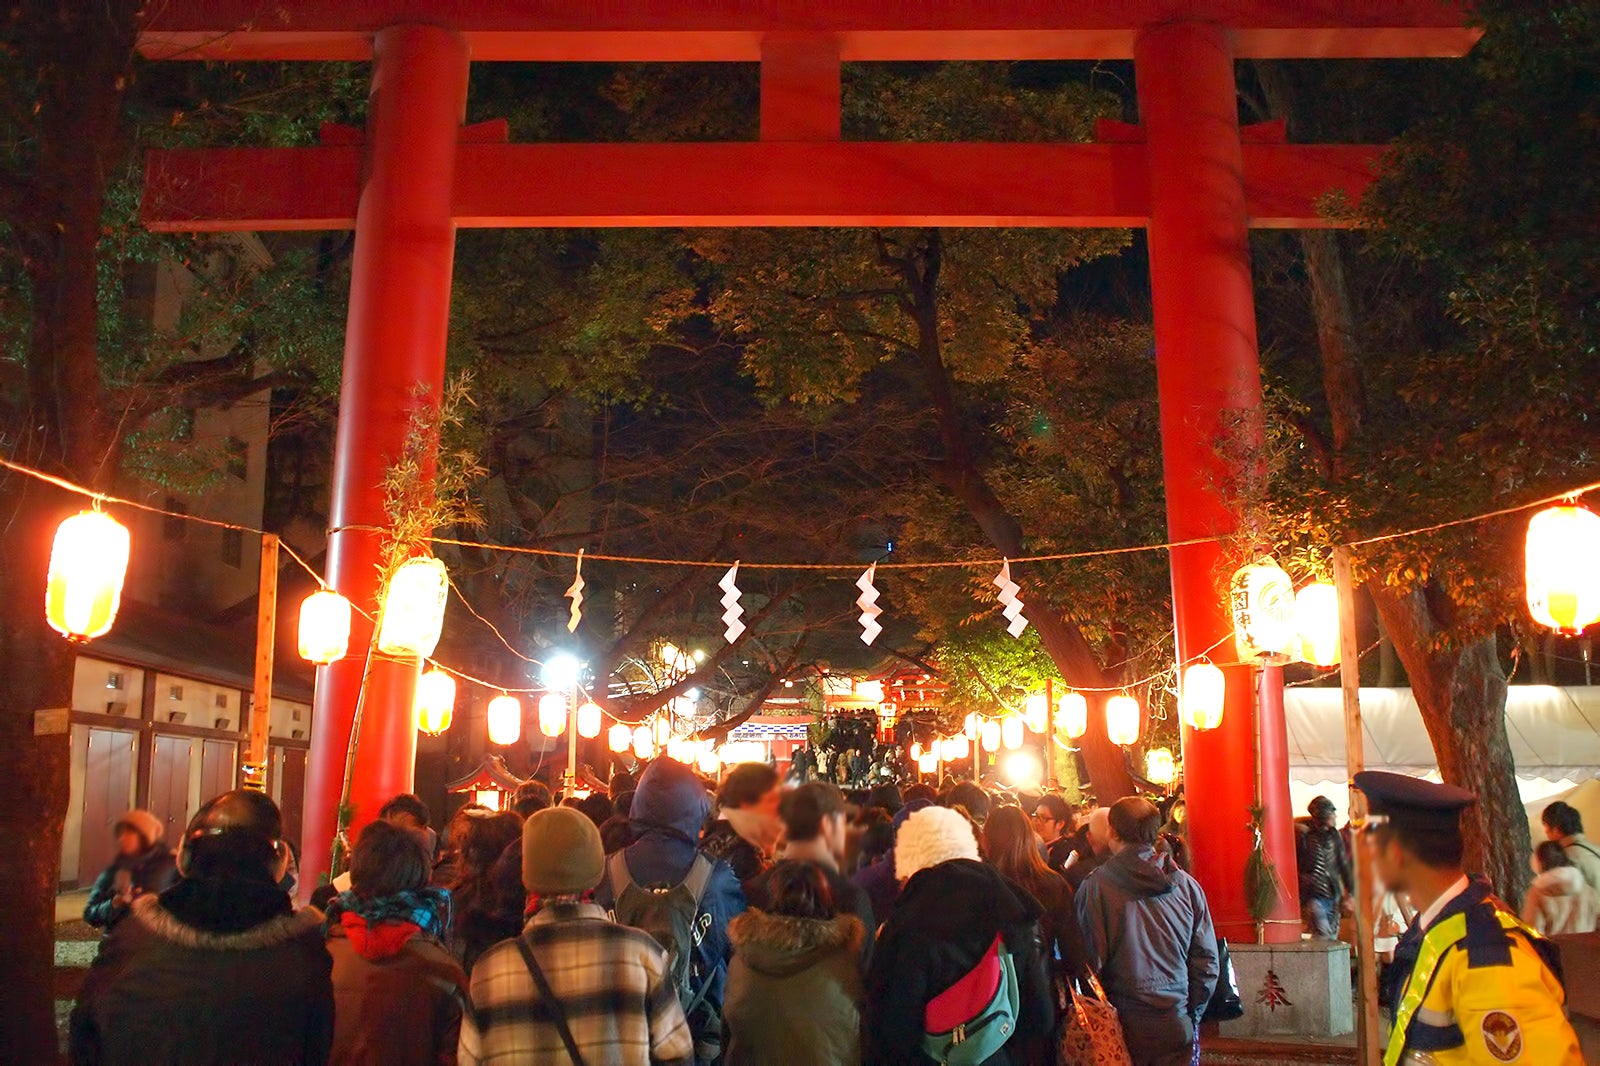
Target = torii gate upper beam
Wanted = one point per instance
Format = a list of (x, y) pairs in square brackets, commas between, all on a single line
[(867, 30)]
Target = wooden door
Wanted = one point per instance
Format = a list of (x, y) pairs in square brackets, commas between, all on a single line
[(291, 789), (169, 784), (219, 767), (107, 786)]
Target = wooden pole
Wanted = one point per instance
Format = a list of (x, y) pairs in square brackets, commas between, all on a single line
[(255, 760), (1368, 1045)]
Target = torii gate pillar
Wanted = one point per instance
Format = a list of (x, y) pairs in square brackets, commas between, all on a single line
[(1209, 380), (394, 361)]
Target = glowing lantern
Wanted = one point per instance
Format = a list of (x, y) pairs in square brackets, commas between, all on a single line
[(505, 720), (929, 762), (88, 562), (644, 742), (436, 702), (916, 751), (1011, 734), (324, 627), (1036, 712), (1316, 620), (1563, 572), (663, 730), (1122, 719), (1204, 689), (970, 727), (552, 714), (589, 720), (959, 748), (620, 739), (1263, 613), (1072, 715), (991, 735), (708, 761), (679, 749), (1159, 767), (413, 608)]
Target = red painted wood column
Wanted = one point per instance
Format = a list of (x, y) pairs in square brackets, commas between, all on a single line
[(1209, 381), (394, 360)]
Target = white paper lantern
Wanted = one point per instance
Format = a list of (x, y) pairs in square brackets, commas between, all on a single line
[(1263, 613), (324, 627), (1316, 618), (552, 714), (990, 733), (959, 748), (590, 720), (644, 742), (505, 720), (1159, 767), (1205, 689), (970, 727), (1122, 720), (1011, 732), (620, 738), (1036, 712), (708, 761), (1072, 715), (413, 608), (1563, 568), (663, 730), (88, 564), (435, 703), (929, 763)]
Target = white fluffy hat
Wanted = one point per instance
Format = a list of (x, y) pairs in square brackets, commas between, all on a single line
[(931, 836)]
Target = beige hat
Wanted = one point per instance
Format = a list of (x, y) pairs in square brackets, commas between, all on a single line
[(145, 824), (561, 853)]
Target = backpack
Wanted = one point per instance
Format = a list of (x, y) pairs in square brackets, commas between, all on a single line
[(667, 913), (975, 1017)]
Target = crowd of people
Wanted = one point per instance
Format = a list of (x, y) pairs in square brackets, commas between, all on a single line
[(667, 919)]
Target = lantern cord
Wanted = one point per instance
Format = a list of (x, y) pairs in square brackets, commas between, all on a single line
[(492, 627), (1559, 497)]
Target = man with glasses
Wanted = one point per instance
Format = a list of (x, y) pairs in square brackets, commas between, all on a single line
[(1054, 821)]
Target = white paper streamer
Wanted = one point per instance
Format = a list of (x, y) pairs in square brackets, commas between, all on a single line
[(575, 594), (868, 602), (1010, 601), (730, 601)]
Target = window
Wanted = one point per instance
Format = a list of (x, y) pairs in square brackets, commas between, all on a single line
[(114, 680), (173, 526), (233, 547), (222, 700), (237, 454), (175, 692)]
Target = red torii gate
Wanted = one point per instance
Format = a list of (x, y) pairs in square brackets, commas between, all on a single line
[(1188, 174)]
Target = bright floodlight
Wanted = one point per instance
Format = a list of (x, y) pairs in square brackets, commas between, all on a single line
[(1023, 769), (560, 671)]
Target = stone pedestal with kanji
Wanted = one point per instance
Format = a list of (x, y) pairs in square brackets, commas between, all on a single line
[(1298, 989)]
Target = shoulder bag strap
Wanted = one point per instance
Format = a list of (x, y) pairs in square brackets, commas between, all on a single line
[(557, 1014)]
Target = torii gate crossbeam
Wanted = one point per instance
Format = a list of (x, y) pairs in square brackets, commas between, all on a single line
[(1188, 174)]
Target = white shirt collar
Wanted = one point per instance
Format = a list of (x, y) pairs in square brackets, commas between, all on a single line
[(1427, 917)]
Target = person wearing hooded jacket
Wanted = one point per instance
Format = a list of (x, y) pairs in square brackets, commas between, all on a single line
[(950, 909), (144, 865), (878, 879), (669, 808), (1559, 901), (220, 968), (1148, 930)]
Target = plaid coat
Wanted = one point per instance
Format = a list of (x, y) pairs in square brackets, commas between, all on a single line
[(612, 983)]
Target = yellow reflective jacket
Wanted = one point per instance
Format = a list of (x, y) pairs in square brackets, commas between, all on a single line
[(1482, 993)]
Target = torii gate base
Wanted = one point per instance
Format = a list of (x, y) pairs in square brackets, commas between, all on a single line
[(1193, 182)]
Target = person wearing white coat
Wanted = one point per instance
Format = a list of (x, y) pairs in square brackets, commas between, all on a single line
[(1560, 901)]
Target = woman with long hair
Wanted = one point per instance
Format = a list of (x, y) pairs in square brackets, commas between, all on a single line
[(1010, 846), (481, 839)]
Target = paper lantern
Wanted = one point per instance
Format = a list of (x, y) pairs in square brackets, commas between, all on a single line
[(552, 714), (1011, 732), (505, 720), (916, 751), (1316, 619), (929, 763), (1205, 689), (644, 742), (88, 563), (413, 608), (680, 749), (990, 733), (970, 727), (435, 702), (1563, 572), (590, 719), (620, 739), (708, 761), (1036, 712), (324, 627), (1122, 720), (1263, 613), (1072, 715), (959, 748), (1159, 767)]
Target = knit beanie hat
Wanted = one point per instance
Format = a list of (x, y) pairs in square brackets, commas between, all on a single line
[(145, 824), (561, 853), (931, 836)]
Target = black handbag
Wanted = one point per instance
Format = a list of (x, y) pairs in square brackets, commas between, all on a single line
[(558, 1014), (1225, 1004)]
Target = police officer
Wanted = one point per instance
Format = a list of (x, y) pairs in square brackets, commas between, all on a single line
[(1469, 983)]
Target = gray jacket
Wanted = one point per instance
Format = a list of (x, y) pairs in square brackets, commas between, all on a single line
[(1149, 935)]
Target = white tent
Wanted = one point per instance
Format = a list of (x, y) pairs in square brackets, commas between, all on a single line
[(1554, 733)]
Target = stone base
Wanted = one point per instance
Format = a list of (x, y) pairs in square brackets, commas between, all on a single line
[(1293, 989)]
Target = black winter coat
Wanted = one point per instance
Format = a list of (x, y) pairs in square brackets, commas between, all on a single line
[(943, 923), (206, 974), (151, 872)]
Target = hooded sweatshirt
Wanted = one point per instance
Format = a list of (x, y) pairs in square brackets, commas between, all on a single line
[(794, 993), (1560, 901), (1148, 931)]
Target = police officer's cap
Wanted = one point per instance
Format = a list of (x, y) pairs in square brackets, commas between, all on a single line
[(1413, 802)]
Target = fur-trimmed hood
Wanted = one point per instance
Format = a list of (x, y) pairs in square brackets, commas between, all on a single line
[(779, 946), (148, 912)]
